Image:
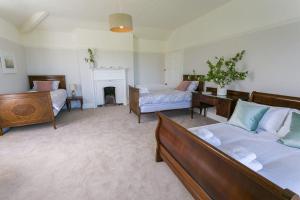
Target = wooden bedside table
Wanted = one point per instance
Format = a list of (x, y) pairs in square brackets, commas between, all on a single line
[(75, 98), (224, 104)]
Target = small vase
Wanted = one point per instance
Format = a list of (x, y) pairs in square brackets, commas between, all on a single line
[(221, 91)]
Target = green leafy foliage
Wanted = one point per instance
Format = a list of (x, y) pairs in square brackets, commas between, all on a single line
[(195, 77), (223, 72), (91, 58)]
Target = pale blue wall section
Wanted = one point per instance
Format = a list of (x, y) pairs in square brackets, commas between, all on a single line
[(16, 82), (272, 58), (149, 68)]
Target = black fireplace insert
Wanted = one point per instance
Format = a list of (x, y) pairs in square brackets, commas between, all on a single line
[(109, 95)]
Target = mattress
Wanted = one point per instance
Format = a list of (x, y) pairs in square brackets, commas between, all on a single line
[(164, 106), (280, 162), (164, 96), (58, 98)]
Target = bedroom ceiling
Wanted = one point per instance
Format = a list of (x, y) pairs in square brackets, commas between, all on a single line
[(159, 14)]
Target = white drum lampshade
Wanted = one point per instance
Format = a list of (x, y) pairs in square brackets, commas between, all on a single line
[(120, 22)]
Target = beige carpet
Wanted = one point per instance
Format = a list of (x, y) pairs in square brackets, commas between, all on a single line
[(101, 154)]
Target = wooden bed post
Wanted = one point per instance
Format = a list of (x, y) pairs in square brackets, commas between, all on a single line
[(54, 123), (1, 132), (158, 158), (134, 95)]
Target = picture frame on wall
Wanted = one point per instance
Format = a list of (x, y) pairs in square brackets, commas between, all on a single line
[(8, 63)]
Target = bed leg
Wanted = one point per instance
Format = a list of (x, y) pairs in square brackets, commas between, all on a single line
[(129, 110), (139, 118), (205, 112), (1, 132), (158, 157), (54, 124)]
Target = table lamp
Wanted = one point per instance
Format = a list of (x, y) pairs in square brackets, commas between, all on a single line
[(73, 88)]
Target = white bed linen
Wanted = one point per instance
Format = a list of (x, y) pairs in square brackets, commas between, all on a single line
[(164, 106), (280, 163), (164, 96), (58, 98)]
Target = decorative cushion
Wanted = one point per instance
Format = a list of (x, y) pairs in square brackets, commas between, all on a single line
[(292, 139), (193, 86), (55, 85), (287, 123), (247, 115), (273, 119), (183, 85), (43, 85)]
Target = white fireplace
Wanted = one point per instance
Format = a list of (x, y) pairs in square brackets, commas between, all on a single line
[(109, 78)]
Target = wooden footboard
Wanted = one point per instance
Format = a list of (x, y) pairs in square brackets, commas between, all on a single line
[(207, 172), (134, 95), (25, 109)]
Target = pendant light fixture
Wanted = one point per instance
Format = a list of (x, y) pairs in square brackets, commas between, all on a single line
[(120, 22)]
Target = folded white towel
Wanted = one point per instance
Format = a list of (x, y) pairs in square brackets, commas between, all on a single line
[(214, 141), (204, 133), (241, 154), (255, 165)]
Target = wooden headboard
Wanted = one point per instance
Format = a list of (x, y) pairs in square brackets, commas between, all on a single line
[(275, 100), (187, 77), (60, 78)]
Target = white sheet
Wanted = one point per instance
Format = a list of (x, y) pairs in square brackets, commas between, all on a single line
[(58, 98), (164, 106), (164, 96), (280, 163)]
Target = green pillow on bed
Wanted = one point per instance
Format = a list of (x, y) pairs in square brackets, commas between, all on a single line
[(247, 115), (292, 139)]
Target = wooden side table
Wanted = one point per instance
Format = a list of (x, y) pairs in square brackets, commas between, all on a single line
[(224, 104), (75, 98)]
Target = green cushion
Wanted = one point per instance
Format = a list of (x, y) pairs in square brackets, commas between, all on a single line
[(247, 115), (292, 139)]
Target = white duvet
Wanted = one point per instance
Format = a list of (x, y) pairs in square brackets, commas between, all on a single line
[(164, 96), (280, 163), (58, 98)]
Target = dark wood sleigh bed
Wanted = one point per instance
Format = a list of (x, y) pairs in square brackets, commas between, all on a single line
[(134, 95), (28, 108), (208, 173)]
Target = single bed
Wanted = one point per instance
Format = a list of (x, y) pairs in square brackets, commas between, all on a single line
[(161, 100), (209, 173), (33, 107)]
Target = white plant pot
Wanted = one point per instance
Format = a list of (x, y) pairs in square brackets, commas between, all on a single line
[(221, 91)]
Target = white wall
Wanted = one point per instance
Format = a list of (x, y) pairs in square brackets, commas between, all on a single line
[(234, 18), (272, 59), (149, 68), (17, 82), (9, 31), (45, 61), (64, 52), (149, 61)]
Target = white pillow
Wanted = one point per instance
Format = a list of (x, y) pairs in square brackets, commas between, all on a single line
[(143, 90), (55, 85), (273, 119), (193, 86), (287, 124)]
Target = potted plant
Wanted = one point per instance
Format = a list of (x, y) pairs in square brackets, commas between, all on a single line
[(91, 58), (223, 72)]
